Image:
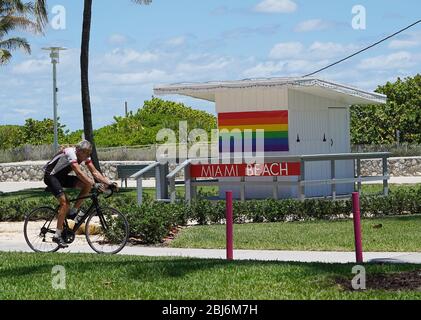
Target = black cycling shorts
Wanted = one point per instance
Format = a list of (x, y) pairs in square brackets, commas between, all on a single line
[(57, 183)]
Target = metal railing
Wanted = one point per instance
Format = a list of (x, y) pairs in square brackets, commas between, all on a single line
[(191, 184), (167, 181)]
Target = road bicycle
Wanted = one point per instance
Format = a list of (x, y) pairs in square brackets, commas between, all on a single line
[(106, 229)]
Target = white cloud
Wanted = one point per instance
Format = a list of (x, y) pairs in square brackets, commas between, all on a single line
[(200, 67), (290, 68), (176, 41), (117, 39), (276, 6), (24, 112), (135, 78), (403, 44), (312, 25), (32, 66), (406, 41), (286, 50), (316, 51), (399, 60), (248, 32), (263, 69), (127, 56), (330, 49)]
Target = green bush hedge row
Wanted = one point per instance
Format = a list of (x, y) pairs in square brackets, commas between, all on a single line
[(152, 221)]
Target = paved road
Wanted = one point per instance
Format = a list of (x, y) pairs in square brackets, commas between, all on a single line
[(19, 245)]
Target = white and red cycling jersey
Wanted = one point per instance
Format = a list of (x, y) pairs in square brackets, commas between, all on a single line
[(61, 163)]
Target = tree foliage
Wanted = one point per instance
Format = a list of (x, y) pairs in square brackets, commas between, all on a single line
[(378, 124), (19, 15), (141, 128), (138, 128)]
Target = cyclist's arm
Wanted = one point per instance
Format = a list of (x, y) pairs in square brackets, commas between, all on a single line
[(81, 175), (97, 175)]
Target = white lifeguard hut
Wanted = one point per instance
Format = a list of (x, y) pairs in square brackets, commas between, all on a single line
[(305, 119)]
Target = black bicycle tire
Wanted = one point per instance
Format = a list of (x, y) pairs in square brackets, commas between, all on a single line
[(87, 231), (26, 225)]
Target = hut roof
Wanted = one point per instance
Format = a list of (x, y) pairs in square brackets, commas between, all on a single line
[(329, 89)]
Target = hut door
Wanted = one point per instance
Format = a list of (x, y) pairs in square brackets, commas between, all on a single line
[(339, 142)]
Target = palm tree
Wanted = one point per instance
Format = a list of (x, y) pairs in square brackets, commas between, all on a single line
[(84, 67), (14, 14)]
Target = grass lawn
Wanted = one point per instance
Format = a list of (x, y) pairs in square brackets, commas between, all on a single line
[(397, 234), (28, 276)]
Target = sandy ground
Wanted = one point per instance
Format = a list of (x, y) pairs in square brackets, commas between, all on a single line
[(11, 231)]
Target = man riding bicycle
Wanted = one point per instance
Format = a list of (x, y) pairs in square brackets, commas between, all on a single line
[(57, 177)]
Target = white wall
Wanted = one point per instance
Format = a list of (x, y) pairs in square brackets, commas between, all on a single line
[(251, 99), (308, 118), (314, 118)]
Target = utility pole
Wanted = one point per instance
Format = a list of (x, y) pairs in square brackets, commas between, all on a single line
[(126, 109), (55, 58)]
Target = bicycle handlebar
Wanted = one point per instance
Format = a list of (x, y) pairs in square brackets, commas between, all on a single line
[(112, 188)]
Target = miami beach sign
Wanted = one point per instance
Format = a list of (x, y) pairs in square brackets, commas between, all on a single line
[(277, 169)]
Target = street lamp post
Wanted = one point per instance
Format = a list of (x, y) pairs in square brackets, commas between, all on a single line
[(55, 58)]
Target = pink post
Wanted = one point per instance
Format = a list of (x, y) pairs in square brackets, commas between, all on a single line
[(357, 226), (230, 222)]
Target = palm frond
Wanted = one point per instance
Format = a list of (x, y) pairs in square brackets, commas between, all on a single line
[(16, 43), (10, 23), (5, 56), (40, 11)]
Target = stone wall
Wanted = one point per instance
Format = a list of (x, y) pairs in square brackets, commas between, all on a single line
[(32, 171), (398, 167)]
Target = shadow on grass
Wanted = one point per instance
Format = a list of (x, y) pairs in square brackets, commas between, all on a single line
[(158, 269)]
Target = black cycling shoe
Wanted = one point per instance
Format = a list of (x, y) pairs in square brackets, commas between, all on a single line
[(60, 242)]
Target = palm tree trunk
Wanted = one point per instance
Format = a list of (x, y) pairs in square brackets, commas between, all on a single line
[(84, 68)]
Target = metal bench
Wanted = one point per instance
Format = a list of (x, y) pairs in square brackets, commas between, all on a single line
[(126, 171)]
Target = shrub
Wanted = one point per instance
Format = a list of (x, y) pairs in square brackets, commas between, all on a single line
[(153, 221)]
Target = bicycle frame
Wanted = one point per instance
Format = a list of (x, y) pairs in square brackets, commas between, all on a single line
[(93, 206)]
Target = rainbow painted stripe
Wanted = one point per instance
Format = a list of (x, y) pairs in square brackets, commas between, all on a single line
[(275, 124)]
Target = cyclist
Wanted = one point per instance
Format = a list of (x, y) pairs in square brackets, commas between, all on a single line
[(57, 177)]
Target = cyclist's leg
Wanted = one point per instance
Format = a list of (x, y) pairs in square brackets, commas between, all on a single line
[(63, 210), (85, 189), (55, 185)]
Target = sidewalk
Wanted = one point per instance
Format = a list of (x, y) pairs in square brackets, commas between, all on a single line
[(80, 246)]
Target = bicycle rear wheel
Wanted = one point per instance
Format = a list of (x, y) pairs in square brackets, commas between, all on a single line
[(107, 231), (39, 229)]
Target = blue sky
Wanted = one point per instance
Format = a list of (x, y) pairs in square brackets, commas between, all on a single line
[(136, 47)]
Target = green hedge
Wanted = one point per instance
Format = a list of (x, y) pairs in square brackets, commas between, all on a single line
[(153, 221)]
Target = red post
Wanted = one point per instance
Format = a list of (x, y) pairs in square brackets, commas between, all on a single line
[(230, 229), (357, 226)]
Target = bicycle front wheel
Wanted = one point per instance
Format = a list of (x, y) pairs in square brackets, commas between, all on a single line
[(107, 231), (39, 229)]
